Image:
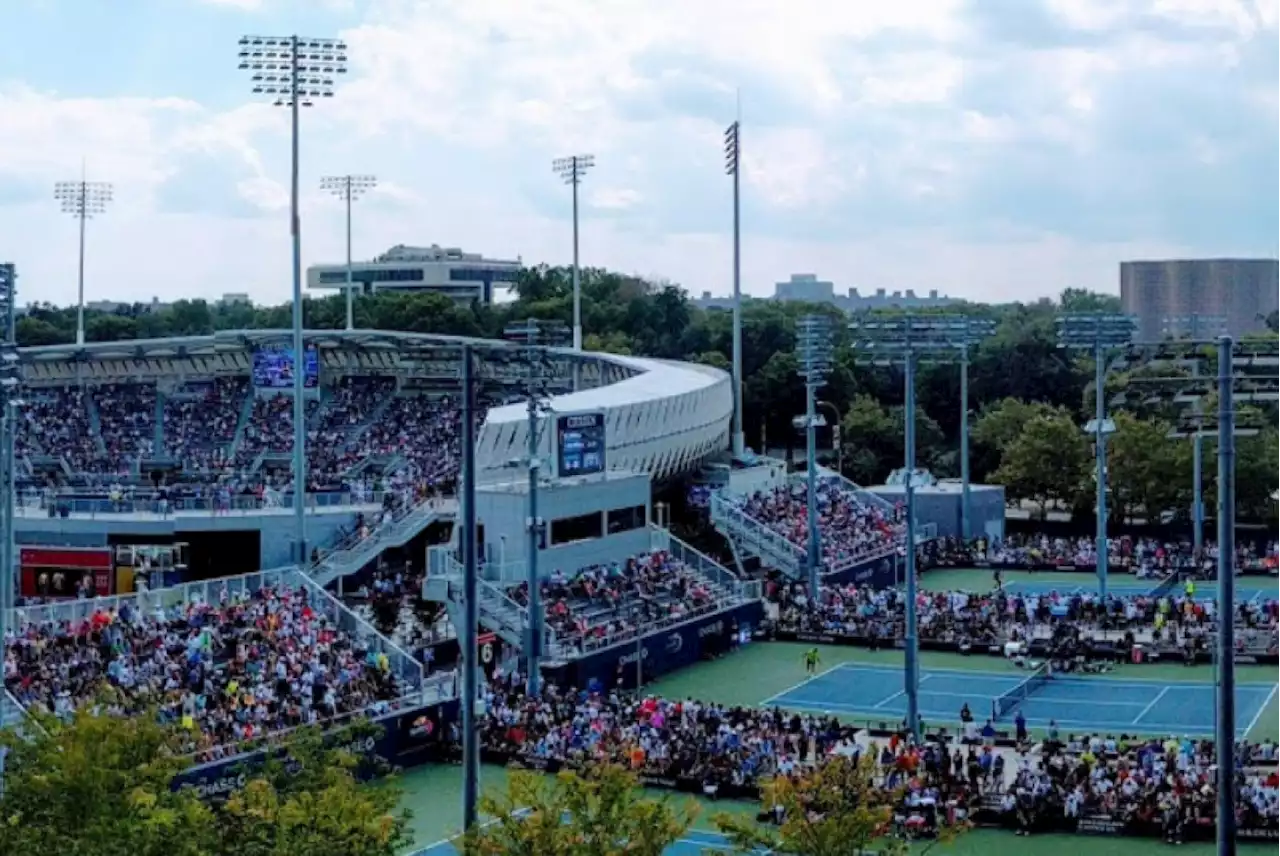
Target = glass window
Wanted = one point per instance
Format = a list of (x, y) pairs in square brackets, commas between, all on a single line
[(584, 527), (626, 519)]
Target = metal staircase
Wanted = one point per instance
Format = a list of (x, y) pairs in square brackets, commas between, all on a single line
[(497, 612), (157, 440), (349, 558), (749, 537), (95, 423), (246, 410)]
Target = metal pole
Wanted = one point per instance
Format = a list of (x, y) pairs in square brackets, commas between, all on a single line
[(351, 301), (739, 440), (84, 213), (811, 443), (1197, 476), (470, 613), (639, 662), (577, 286), (1226, 725), (1100, 454), (533, 647), (965, 511), (912, 676), (299, 358)]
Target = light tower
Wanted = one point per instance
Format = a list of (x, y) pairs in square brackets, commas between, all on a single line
[(969, 331), (732, 165), (1100, 333), (573, 169), (349, 188), (813, 348), (82, 199), (536, 338), (295, 72), (10, 379), (908, 340)]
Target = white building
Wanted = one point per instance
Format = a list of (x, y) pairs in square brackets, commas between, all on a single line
[(445, 270)]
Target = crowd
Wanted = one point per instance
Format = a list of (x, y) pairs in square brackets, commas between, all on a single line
[(601, 602), (227, 672), (852, 528), (1145, 558), (109, 433)]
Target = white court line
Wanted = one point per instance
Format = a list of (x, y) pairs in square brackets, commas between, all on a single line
[(1266, 702), (1155, 701), (443, 842), (899, 693), (773, 698)]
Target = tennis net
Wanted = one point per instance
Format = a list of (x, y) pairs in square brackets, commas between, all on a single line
[(1003, 704)]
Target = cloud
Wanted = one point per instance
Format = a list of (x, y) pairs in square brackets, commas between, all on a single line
[(990, 148)]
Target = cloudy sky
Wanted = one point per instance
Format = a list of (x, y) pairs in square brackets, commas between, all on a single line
[(992, 149)]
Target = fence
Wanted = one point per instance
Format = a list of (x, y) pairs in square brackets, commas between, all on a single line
[(662, 539), (759, 537), (40, 505)]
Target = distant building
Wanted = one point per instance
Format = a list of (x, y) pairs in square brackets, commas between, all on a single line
[(807, 288), (1243, 291), (444, 270)]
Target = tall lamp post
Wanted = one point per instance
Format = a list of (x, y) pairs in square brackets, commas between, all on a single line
[(349, 188), (573, 169), (10, 379), (814, 349), (908, 340), (295, 72), (536, 337), (732, 161), (82, 199), (1099, 333), (970, 332)]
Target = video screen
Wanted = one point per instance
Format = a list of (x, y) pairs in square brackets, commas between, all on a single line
[(273, 368), (581, 444)]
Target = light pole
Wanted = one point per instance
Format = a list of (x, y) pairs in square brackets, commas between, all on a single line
[(295, 72), (835, 435), (908, 340), (573, 169), (82, 199), (10, 379), (536, 337), (972, 331), (732, 161), (470, 608), (813, 347), (1100, 333), (349, 188)]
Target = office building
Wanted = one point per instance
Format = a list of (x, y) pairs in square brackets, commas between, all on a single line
[(1243, 291), (807, 288), (444, 270)]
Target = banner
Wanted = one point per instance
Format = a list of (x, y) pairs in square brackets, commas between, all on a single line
[(873, 573), (659, 652)]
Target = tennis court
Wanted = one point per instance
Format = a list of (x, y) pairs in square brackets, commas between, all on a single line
[(1131, 588), (695, 842), (1082, 703)]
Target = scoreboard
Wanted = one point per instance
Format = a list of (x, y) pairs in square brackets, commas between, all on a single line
[(580, 444)]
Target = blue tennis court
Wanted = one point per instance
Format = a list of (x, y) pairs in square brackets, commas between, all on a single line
[(694, 843), (1083, 703), (1131, 588)]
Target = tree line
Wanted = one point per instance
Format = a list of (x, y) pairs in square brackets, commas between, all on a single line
[(1028, 398)]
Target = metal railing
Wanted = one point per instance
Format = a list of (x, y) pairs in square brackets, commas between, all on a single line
[(700, 563), (353, 548), (863, 495), (569, 649), (758, 536), (33, 505)]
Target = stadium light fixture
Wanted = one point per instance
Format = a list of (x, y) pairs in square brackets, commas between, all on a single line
[(814, 350), (732, 162), (1100, 333), (535, 338), (83, 200), (573, 169), (908, 340), (295, 72), (349, 188)]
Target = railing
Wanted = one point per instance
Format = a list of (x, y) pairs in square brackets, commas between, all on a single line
[(331, 563), (759, 536), (856, 489), (38, 505), (662, 539), (569, 649)]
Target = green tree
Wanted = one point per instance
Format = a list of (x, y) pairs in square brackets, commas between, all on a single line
[(597, 813), (101, 786), (867, 434), (995, 429), (836, 809), (1047, 463), (1148, 472)]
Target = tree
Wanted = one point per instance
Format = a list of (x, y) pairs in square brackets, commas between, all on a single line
[(1148, 472), (868, 433), (835, 809), (597, 813), (1047, 463), (995, 429), (101, 786)]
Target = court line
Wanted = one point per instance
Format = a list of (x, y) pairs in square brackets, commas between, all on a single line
[(899, 693), (1037, 697), (1150, 705), (770, 700), (1098, 681), (1266, 702)]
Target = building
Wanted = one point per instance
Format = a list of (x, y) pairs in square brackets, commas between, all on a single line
[(444, 270), (807, 288), (1243, 291)]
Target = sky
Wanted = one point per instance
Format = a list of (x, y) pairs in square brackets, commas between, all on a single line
[(992, 149)]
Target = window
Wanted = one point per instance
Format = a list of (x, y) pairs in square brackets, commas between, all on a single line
[(626, 519), (570, 529), (371, 275), (482, 275)]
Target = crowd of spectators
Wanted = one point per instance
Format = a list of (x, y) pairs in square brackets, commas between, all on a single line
[(1145, 558), (602, 602), (127, 424), (56, 422), (200, 421), (227, 671), (852, 528)]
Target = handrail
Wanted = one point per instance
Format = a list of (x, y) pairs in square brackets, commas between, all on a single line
[(36, 506), (755, 530), (592, 644)]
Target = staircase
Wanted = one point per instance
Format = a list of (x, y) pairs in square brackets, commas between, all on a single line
[(350, 557), (497, 612), (95, 423), (246, 410), (866, 496), (750, 537), (317, 416), (158, 438), (375, 416)]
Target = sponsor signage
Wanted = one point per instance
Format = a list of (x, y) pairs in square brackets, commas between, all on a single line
[(580, 444)]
